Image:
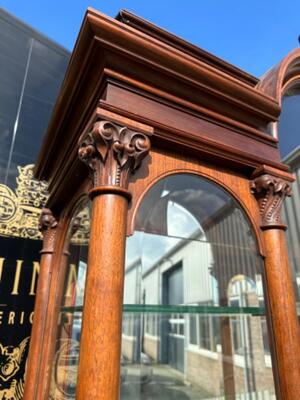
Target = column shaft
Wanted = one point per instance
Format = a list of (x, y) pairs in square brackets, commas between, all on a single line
[(100, 347), (284, 320)]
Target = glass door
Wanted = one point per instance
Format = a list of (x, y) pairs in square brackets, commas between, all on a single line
[(194, 322)]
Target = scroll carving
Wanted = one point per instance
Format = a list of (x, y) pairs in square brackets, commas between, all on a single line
[(113, 152), (47, 225), (270, 192)]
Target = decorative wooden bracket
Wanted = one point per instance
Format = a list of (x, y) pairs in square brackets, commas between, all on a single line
[(47, 225), (112, 153), (270, 192)]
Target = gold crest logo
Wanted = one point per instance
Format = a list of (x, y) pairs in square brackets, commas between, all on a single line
[(12, 367), (20, 210)]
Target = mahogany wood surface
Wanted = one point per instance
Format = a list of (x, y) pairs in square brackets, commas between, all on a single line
[(100, 346), (37, 339), (59, 269), (47, 303), (191, 90), (206, 118), (47, 364), (274, 81), (162, 162), (176, 124), (283, 314), (150, 29), (43, 365)]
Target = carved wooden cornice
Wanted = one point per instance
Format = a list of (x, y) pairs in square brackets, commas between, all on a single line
[(47, 226), (270, 192), (150, 61), (112, 153), (195, 103)]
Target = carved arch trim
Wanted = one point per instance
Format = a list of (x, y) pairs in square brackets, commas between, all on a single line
[(274, 82), (138, 200)]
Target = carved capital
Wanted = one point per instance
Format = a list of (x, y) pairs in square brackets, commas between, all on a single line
[(47, 225), (270, 192), (112, 153)]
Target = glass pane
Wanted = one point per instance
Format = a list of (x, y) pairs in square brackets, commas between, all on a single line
[(289, 127), (289, 142), (31, 71), (194, 326), (181, 370), (73, 266)]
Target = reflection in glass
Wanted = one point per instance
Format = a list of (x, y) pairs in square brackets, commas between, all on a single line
[(289, 142), (194, 326), (289, 128), (31, 71), (73, 266)]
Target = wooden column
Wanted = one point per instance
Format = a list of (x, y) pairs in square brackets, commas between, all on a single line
[(47, 225), (112, 152), (54, 308), (46, 384), (271, 192)]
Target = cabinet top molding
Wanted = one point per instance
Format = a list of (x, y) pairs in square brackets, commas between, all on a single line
[(192, 99)]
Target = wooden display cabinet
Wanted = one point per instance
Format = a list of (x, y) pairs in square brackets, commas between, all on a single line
[(139, 105)]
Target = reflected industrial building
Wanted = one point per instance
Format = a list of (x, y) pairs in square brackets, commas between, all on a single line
[(202, 295)]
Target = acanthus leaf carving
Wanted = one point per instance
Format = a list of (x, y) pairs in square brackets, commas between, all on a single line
[(270, 192), (113, 152)]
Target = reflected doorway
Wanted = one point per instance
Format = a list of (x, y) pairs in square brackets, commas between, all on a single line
[(173, 294)]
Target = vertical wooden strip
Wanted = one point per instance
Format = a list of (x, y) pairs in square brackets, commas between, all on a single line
[(38, 327), (283, 314), (54, 304), (48, 226), (100, 348)]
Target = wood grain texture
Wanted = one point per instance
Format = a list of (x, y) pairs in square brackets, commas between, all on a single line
[(47, 304), (100, 348), (49, 228), (206, 92), (59, 270), (275, 80), (209, 119), (270, 192), (283, 314), (162, 163), (44, 363), (150, 29)]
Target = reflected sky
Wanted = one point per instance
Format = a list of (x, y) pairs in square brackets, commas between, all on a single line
[(289, 122), (31, 71), (151, 247)]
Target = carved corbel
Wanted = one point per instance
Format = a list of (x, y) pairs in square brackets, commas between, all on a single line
[(47, 225), (270, 192), (112, 153)]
